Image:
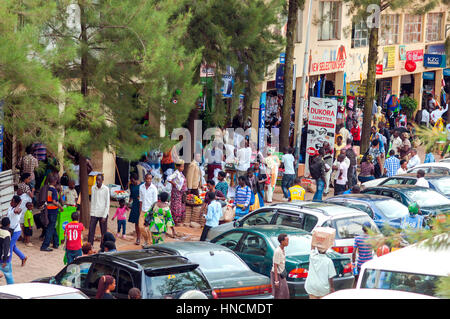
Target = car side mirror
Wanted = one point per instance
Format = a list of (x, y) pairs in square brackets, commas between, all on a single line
[(236, 224), (52, 280)]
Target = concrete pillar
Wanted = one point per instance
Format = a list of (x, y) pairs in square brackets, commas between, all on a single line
[(339, 83), (255, 112), (396, 84), (438, 74), (418, 85)]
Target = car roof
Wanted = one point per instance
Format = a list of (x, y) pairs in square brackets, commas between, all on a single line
[(363, 197), (184, 247), (414, 176), (273, 230), (434, 164), (323, 208), (368, 293), (151, 258), (399, 187), (414, 259), (35, 289)]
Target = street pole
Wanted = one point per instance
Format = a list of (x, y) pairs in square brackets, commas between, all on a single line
[(303, 87)]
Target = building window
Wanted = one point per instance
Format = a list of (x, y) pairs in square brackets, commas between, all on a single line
[(329, 23), (389, 29), (360, 35), (299, 31), (413, 29), (434, 27)]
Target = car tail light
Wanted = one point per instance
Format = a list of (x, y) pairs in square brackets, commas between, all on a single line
[(214, 294), (298, 273), (243, 291), (344, 249), (348, 268)]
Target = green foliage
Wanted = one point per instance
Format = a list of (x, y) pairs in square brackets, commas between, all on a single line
[(239, 34), (410, 105)]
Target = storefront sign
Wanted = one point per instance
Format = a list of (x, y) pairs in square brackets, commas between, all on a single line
[(207, 71), (446, 72), (434, 61), (415, 55), (402, 52), (389, 58), (356, 89), (333, 60), (410, 66), (428, 75), (321, 125), (227, 83), (262, 120), (379, 69), (436, 49), (282, 58), (279, 80)]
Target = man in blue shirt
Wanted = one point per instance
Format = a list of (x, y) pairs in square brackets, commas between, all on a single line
[(391, 165), (413, 220), (213, 215)]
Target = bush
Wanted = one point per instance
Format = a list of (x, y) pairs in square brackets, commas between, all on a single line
[(409, 105)]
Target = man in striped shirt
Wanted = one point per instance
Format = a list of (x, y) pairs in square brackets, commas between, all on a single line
[(242, 198), (363, 247), (391, 165)]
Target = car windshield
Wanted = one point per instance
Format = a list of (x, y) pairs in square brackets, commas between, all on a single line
[(73, 295), (219, 261), (427, 197), (443, 185), (351, 227), (391, 208), (173, 285), (393, 280), (298, 245)]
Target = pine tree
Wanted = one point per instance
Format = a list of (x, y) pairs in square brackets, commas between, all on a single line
[(117, 61)]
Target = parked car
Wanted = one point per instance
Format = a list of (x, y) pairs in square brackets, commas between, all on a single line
[(415, 269), (375, 294), (430, 202), (307, 216), (39, 291), (227, 273), (382, 209), (256, 246), (441, 168), (159, 274), (445, 160), (439, 183)]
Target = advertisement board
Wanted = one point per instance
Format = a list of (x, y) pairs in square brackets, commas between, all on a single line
[(321, 125)]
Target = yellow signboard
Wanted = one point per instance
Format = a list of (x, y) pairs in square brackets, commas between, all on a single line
[(356, 89), (389, 58)]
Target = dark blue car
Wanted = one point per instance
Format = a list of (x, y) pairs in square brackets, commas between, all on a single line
[(382, 209)]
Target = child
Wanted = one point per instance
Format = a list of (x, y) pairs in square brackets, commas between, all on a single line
[(72, 233), (222, 185), (121, 214), (71, 195), (213, 215), (28, 223), (242, 198), (320, 274), (297, 192)]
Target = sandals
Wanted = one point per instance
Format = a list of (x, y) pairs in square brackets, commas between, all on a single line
[(138, 242), (24, 261)]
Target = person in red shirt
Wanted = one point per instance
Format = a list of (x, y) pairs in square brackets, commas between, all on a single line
[(356, 133), (72, 233)]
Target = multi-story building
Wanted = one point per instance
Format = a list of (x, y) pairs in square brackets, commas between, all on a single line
[(339, 51)]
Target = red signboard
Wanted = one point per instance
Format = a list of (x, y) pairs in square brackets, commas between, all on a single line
[(379, 69), (415, 55)]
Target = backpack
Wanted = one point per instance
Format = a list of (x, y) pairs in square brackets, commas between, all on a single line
[(316, 169), (42, 198)]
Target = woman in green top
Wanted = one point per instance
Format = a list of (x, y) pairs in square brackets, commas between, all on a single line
[(159, 219)]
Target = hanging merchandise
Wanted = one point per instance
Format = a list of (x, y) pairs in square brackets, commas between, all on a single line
[(393, 104)]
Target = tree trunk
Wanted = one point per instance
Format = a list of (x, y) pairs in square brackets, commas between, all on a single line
[(288, 74), (84, 188), (370, 92)]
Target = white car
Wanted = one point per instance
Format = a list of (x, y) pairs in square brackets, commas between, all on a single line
[(375, 294), (39, 291), (415, 269), (307, 215)]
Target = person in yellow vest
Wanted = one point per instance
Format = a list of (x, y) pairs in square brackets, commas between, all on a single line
[(297, 192)]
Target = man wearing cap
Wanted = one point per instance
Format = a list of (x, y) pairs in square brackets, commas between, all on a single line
[(363, 247)]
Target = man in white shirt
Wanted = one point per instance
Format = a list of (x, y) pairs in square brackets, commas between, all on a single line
[(425, 120), (341, 176), (289, 172), (99, 208), (421, 181), (14, 215), (396, 141), (414, 160), (403, 167), (148, 195), (244, 156), (437, 113)]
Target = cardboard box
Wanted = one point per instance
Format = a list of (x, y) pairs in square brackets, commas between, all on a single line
[(323, 238)]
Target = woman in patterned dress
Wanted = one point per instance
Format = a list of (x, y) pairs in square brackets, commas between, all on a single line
[(160, 219), (179, 188)]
